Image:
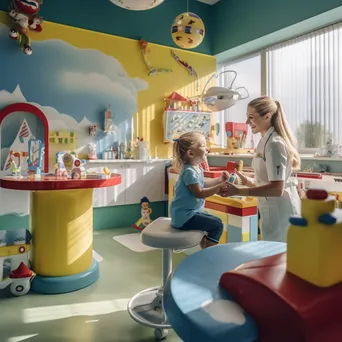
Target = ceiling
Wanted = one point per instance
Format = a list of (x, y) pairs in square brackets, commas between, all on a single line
[(209, 2)]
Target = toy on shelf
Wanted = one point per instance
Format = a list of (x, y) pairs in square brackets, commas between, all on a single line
[(145, 51), (177, 102), (73, 165), (78, 171), (35, 156), (145, 219), (107, 172), (329, 150), (16, 168), (140, 149), (108, 123), (19, 147), (301, 288), (60, 169), (236, 139), (188, 67), (92, 130), (92, 155), (24, 15), (14, 261)]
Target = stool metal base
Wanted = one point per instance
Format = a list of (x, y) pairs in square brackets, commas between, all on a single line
[(146, 307)]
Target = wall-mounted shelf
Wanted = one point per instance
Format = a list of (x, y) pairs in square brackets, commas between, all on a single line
[(121, 161), (178, 122)]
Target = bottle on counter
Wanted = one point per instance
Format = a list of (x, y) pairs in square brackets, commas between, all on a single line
[(136, 149), (115, 153), (122, 150), (142, 147)]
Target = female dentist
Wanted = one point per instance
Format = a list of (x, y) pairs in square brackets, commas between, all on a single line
[(275, 158)]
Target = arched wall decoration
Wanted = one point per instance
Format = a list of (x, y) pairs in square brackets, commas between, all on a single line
[(29, 108)]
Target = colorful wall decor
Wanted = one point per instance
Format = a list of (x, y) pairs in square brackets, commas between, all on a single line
[(145, 52), (185, 65), (188, 30), (25, 17), (75, 74), (8, 118)]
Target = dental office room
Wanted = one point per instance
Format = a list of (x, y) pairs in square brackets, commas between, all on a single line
[(170, 170)]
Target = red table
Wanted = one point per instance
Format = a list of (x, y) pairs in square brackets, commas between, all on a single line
[(61, 224)]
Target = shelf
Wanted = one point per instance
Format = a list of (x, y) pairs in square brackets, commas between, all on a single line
[(117, 161)]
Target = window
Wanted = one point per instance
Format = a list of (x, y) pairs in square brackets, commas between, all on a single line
[(249, 76), (305, 76)]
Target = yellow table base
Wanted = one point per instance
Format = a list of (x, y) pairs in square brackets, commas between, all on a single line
[(62, 231)]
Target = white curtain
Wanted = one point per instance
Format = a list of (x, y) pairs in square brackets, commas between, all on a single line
[(305, 75)]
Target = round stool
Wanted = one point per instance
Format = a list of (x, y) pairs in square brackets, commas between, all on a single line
[(147, 307)]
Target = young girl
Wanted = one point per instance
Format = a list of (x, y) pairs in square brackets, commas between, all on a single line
[(191, 189), (276, 156)]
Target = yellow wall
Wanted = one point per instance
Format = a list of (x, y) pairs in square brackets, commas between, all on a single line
[(148, 119)]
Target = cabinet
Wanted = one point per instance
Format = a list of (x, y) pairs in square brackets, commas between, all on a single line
[(139, 179), (145, 180), (103, 197)]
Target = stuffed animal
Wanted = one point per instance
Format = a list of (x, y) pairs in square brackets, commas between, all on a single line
[(25, 18)]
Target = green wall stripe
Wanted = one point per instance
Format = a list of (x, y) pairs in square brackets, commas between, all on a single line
[(104, 218)]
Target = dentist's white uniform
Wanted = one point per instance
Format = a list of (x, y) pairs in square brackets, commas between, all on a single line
[(271, 163)]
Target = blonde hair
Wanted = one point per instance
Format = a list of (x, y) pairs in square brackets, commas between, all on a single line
[(182, 145), (264, 105)]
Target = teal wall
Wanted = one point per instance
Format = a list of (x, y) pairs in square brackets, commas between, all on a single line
[(104, 218), (228, 23), (103, 16), (237, 22)]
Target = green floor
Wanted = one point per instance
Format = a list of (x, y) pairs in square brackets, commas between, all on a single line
[(95, 314)]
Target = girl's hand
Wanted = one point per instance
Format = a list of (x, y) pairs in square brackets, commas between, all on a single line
[(224, 177), (229, 190)]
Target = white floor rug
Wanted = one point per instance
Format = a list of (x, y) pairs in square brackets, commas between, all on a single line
[(97, 256), (132, 241)]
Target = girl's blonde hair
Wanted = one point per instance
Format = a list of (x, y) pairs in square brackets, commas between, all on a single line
[(182, 145), (263, 106)]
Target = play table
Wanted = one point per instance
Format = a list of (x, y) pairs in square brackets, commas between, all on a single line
[(61, 223), (198, 308)]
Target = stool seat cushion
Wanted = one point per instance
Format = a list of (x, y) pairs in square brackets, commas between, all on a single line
[(160, 234)]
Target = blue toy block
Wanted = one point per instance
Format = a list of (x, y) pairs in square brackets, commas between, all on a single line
[(234, 233), (253, 228)]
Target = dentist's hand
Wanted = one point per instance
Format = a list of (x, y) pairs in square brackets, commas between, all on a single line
[(229, 190)]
